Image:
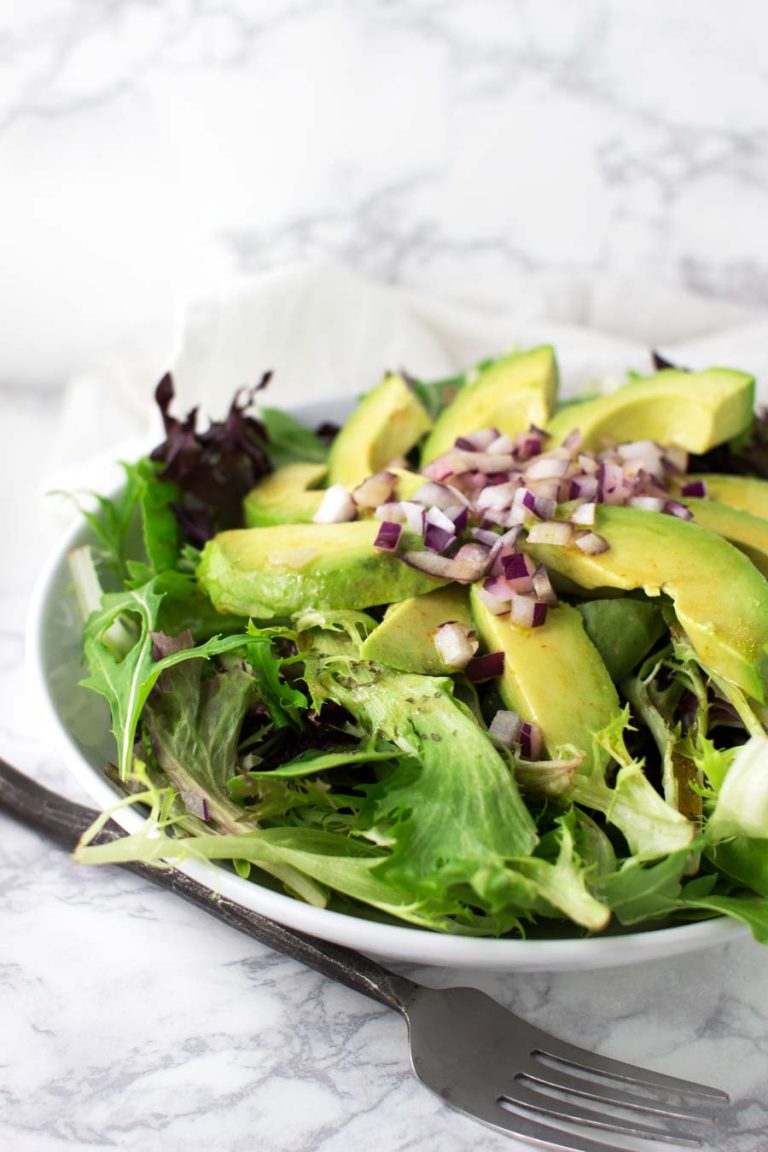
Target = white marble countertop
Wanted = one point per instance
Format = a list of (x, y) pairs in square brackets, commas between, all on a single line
[(437, 143)]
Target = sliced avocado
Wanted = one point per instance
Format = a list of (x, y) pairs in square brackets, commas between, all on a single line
[(720, 598), (623, 631), (405, 637), (692, 410), (266, 572), (285, 496), (509, 394), (288, 495), (385, 425), (749, 533), (541, 668), (744, 492)]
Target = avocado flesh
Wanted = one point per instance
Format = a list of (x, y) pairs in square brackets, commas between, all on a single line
[(287, 496), (405, 638), (385, 425), (510, 394), (267, 572), (747, 532), (541, 668), (720, 598), (692, 410), (744, 492)]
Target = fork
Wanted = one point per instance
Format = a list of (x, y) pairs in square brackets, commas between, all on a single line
[(465, 1046)]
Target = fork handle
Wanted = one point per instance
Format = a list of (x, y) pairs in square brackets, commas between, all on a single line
[(64, 822)]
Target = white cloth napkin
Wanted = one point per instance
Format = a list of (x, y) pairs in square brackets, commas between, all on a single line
[(326, 331)]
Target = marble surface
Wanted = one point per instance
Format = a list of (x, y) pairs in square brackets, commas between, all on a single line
[(444, 145)]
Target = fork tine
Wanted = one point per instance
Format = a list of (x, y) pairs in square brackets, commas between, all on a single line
[(575, 1057), (550, 1107), (603, 1093), (541, 1135)]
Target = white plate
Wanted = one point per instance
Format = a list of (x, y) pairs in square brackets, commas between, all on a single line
[(79, 723)]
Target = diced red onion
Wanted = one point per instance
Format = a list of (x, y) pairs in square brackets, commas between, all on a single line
[(647, 503), (542, 587), (676, 458), (485, 536), (438, 539), (493, 603), (584, 514), (505, 727), (415, 516), (497, 495), (502, 446), (435, 495), (439, 520), (469, 564), (545, 507), (696, 489), (196, 805), (375, 490), (388, 536), (583, 488), (531, 742), (455, 643), (558, 532), (587, 464), (592, 544), (546, 467), (478, 441), (336, 506), (573, 441), (518, 572), (459, 515), (391, 511), (527, 611), (675, 508), (483, 668)]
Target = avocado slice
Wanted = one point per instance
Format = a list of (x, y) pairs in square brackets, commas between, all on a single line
[(285, 496), (749, 533), (385, 425), (720, 598), (509, 394), (405, 637), (289, 496), (744, 492), (542, 667), (692, 410), (278, 571)]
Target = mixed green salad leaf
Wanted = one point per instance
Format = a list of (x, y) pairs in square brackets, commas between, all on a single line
[(277, 744)]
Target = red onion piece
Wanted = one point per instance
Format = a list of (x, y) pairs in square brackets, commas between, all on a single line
[(483, 668), (584, 514), (503, 445), (478, 441), (542, 587), (493, 603), (558, 532), (415, 516), (196, 804), (439, 519), (375, 490), (505, 727), (531, 742), (437, 539), (592, 544), (455, 643), (696, 489), (390, 511), (646, 503), (675, 508), (583, 487), (497, 495), (546, 467), (388, 536), (336, 506), (469, 564), (527, 611)]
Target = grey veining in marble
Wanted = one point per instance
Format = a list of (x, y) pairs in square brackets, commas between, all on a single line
[(442, 144)]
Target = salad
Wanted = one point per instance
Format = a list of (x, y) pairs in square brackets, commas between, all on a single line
[(480, 661)]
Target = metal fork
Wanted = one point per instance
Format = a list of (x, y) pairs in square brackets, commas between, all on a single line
[(466, 1047)]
